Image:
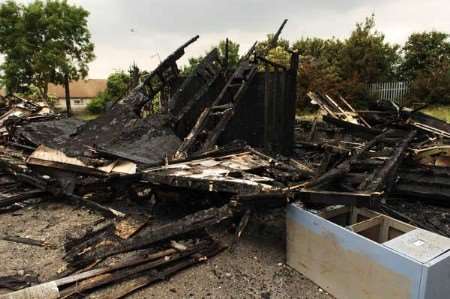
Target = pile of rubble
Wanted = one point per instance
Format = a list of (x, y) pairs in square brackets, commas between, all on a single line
[(224, 145)]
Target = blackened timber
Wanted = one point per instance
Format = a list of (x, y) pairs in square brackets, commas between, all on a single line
[(26, 241), (210, 126), (17, 282), (132, 272), (166, 272), (376, 182), (54, 188), (150, 235), (345, 166), (279, 107), (195, 92), (243, 75), (121, 154), (167, 70), (270, 200), (358, 130), (360, 199), (274, 41), (117, 266), (290, 104), (7, 201)]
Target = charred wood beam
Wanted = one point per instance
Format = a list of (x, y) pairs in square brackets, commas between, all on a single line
[(358, 130), (167, 66), (131, 272), (244, 74), (154, 276), (274, 41), (7, 201), (366, 165), (210, 126), (207, 73), (201, 184), (261, 200), (278, 199), (17, 282), (150, 235), (338, 198), (344, 167), (27, 241), (54, 188), (323, 146), (439, 195), (117, 266), (427, 178), (22, 146), (123, 155), (376, 181)]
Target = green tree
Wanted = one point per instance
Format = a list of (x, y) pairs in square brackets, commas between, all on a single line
[(261, 47), (327, 51), (424, 52), (135, 76), (345, 67), (366, 56), (233, 56), (432, 86), (426, 64), (117, 87), (44, 42)]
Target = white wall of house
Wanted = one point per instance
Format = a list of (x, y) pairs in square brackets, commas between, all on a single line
[(78, 104)]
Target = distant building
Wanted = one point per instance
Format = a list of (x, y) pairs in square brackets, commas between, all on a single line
[(82, 92)]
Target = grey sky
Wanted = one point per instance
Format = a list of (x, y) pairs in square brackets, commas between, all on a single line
[(136, 30)]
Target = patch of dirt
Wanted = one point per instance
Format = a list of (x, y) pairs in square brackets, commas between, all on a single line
[(255, 269)]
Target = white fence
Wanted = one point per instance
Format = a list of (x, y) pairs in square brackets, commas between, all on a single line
[(390, 91)]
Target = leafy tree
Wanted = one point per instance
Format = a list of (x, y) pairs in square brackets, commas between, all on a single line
[(345, 67), (135, 76), (366, 56), (193, 62), (233, 56), (16, 71), (327, 51), (261, 47), (117, 86), (424, 52), (233, 52), (432, 86), (426, 64), (44, 42), (316, 75)]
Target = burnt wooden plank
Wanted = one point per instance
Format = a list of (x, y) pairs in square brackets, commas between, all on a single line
[(150, 235)]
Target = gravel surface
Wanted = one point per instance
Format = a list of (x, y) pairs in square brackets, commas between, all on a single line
[(255, 269)]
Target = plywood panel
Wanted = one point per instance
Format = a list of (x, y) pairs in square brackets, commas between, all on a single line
[(335, 259)]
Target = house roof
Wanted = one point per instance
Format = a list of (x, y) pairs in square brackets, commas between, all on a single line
[(79, 89)]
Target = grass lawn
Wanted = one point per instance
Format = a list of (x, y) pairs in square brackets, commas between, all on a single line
[(441, 112), (85, 115)]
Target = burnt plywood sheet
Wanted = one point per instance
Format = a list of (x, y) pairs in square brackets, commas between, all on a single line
[(51, 133), (45, 156), (216, 172)]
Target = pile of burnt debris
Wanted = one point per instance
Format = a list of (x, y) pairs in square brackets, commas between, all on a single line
[(225, 144)]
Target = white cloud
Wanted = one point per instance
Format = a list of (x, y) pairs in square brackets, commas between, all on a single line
[(134, 30)]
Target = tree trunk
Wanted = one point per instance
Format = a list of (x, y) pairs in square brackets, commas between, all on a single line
[(67, 89), (46, 92)]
